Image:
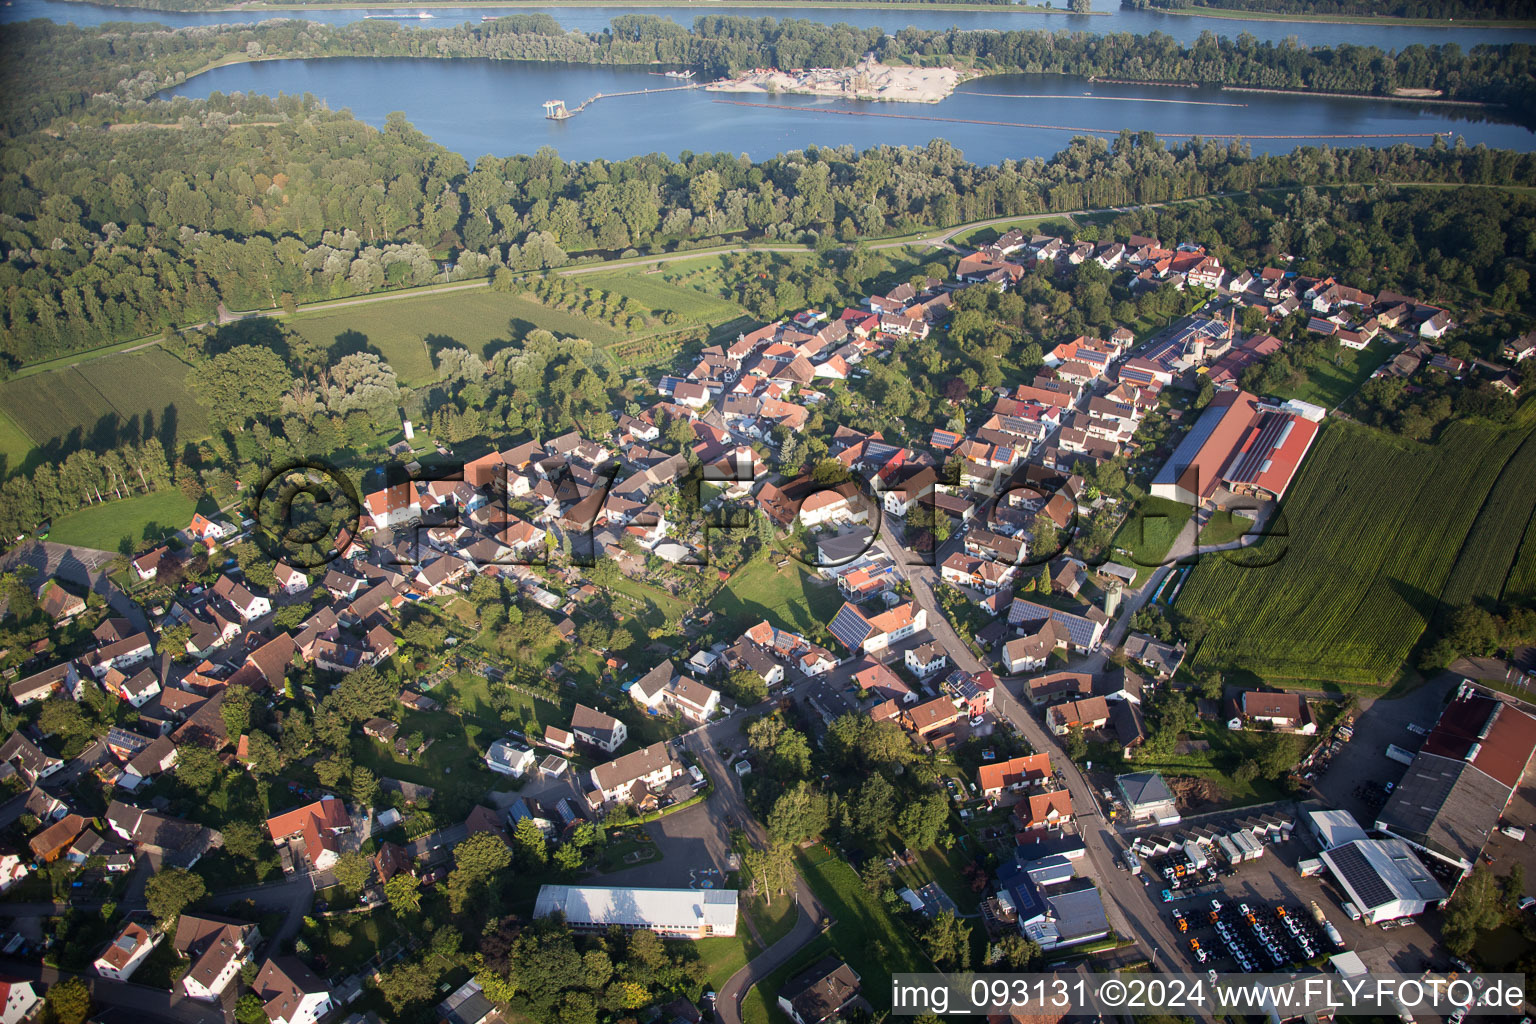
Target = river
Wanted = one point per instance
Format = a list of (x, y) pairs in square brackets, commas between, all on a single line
[(1114, 18), (1026, 115)]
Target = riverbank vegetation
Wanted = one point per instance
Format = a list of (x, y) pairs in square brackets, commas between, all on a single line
[(1443, 10)]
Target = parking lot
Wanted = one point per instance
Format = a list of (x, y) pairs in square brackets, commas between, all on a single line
[(1356, 777), (1267, 885)]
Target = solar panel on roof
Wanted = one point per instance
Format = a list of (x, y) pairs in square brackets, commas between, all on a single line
[(850, 627), (1362, 878)]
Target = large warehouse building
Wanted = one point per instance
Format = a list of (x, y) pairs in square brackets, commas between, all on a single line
[(1240, 444), (671, 913), (1383, 878), (1461, 780)]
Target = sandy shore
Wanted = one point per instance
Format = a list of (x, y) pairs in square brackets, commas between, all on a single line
[(865, 82)]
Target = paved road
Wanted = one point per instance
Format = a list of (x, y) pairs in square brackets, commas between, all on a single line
[(146, 1004), (727, 802), (77, 565)]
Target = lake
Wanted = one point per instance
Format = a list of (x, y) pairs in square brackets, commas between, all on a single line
[(990, 119), (1184, 28)]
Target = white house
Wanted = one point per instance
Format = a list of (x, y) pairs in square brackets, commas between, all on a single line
[(507, 758), (290, 992), (870, 633), (592, 727), (926, 659), (218, 947), (17, 1000), (650, 768), (290, 579), (662, 688), (126, 952), (248, 605), (392, 506)]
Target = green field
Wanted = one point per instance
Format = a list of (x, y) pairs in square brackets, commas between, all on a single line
[(1223, 527), (1045, 224), (1329, 383), (874, 943), (143, 518), (1149, 532), (1366, 543), (655, 291), (483, 321), (103, 401), (1488, 557), (1520, 587), (15, 446), (791, 598)]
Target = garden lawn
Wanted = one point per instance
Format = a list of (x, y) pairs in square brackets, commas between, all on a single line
[(406, 331), (1333, 381), (790, 598), (347, 941), (650, 604), (1223, 527), (1045, 224), (1149, 532), (142, 519), (876, 944)]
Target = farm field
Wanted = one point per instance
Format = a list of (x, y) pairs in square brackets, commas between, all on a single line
[(1487, 559), (1372, 536), (142, 518), (480, 320), (15, 446), (101, 401), (1521, 584)]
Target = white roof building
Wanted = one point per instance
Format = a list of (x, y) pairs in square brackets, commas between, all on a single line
[(673, 913), (1383, 878)]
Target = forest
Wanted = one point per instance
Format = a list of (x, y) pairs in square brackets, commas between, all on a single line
[(1443, 9)]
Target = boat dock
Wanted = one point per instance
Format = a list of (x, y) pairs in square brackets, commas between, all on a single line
[(556, 110)]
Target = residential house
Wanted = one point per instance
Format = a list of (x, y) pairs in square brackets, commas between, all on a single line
[(167, 842), (126, 952), (147, 565), (1436, 326), (27, 759), (1287, 712), (870, 633), (507, 758), (1148, 798), (1084, 629), (1014, 773), (1045, 810), (635, 778), (1522, 348), (1030, 652), (59, 604), (596, 729), (49, 844), (289, 579), (1162, 659), (1091, 713), (663, 688), (392, 506), (926, 659), (317, 825), (1058, 684), (821, 992), (246, 604), (120, 655), (217, 948), (931, 717), (60, 679), (17, 1000), (290, 992), (878, 681)]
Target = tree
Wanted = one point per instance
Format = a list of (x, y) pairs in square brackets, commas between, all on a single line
[(243, 839), (476, 861), (875, 876), (69, 1002), (250, 1010), (921, 822), (799, 813), (171, 891), (242, 384), (352, 870), (409, 983), (772, 869), (745, 687), (1077, 745), (532, 848), (873, 810), (1475, 907), (948, 941), (1015, 952), (403, 891)]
